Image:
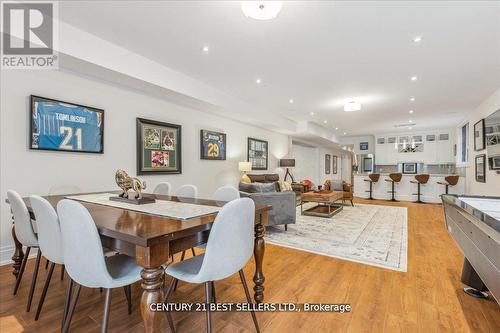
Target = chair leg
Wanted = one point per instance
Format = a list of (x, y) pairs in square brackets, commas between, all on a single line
[(208, 298), (192, 252), (286, 227), (249, 300), (44, 291), (71, 310), (21, 269), (46, 263), (62, 272), (212, 285), (183, 255), (128, 295), (33, 280), (105, 318), (66, 302), (352, 204), (167, 313)]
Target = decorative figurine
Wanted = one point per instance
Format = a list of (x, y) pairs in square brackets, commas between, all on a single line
[(126, 183)]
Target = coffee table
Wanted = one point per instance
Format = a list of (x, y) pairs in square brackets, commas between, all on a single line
[(326, 206)]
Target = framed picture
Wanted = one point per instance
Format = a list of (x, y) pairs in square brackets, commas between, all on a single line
[(363, 146), (479, 136), (481, 168), (212, 145), (158, 147), (334, 160), (328, 163), (65, 126), (257, 153)]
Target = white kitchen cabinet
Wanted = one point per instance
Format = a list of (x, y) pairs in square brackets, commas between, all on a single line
[(380, 151), (444, 148)]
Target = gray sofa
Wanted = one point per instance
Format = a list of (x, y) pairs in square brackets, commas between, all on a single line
[(266, 193)]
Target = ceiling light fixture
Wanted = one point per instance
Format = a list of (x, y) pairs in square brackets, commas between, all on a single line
[(417, 39), (410, 112), (291, 101), (258, 81), (336, 128), (410, 121), (325, 121), (345, 133), (414, 78), (352, 106), (261, 10), (312, 113), (205, 49), (412, 99)]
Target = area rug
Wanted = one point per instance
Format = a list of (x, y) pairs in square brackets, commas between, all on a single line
[(368, 234)]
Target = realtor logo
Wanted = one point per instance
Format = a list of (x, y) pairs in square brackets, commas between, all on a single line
[(29, 35)]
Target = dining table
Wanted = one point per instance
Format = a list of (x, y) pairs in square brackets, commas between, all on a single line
[(151, 239)]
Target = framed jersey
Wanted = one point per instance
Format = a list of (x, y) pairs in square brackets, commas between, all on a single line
[(63, 126), (212, 145)]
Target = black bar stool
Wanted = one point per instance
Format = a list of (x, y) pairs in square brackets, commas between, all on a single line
[(419, 180), (373, 178), (394, 178), (449, 181)]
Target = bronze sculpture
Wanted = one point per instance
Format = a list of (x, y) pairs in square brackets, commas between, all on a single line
[(126, 183)]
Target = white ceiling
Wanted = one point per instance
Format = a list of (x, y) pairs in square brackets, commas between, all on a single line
[(320, 54)]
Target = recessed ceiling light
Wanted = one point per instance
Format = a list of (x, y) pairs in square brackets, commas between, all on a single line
[(417, 39), (414, 78), (410, 112), (325, 121), (291, 101), (336, 128), (261, 10), (205, 49), (345, 133), (412, 99), (410, 121), (258, 81), (352, 106), (409, 127), (311, 113)]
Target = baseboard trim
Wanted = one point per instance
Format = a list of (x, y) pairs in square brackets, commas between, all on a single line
[(6, 253)]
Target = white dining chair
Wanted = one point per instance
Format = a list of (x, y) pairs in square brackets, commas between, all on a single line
[(229, 247), (27, 237), (85, 262), (163, 188), (49, 239), (226, 193), (187, 191)]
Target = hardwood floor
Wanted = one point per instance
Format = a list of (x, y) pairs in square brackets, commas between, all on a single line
[(427, 298)]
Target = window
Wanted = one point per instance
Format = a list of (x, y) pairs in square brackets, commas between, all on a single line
[(463, 144)]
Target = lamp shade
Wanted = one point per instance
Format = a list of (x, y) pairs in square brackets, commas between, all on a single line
[(245, 166), (287, 162)]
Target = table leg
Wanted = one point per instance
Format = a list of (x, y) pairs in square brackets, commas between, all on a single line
[(152, 292), (18, 256), (258, 252)]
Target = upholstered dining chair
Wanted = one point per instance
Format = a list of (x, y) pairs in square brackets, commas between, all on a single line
[(226, 193), (49, 239), (187, 191), (85, 262), (27, 237), (229, 247), (163, 188)]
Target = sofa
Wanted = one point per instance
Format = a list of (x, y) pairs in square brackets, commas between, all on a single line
[(265, 189)]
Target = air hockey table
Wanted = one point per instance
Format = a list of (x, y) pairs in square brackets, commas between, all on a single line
[(474, 224)]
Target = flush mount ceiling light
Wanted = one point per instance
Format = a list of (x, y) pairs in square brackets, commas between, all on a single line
[(417, 39), (258, 81), (352, 106), (205, 49), (414, 78), (410, 112), (261, 10), (412, 99), (291, 101)]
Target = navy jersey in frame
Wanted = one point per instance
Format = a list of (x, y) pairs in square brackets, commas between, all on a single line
[(57, 125)]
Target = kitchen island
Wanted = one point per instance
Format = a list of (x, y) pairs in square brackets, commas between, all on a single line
[(405, 190)]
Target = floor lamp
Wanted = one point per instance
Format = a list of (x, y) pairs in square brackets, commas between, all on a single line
[(287, 163)]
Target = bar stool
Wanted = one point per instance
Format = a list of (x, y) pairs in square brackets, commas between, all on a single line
[(373, 178), (419, 180), (394, 178), (449, 181)]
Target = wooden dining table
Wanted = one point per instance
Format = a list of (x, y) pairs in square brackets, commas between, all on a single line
[(152, 239)]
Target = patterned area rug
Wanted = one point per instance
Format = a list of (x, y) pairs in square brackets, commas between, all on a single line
[(368, 234)]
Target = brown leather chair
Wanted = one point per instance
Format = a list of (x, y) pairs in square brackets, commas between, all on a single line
[(372, 178), (419, 180), (449, 181), (394, 178)]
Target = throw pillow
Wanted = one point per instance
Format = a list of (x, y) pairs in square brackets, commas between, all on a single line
[(337, 186), (285, 186), (267, 187)]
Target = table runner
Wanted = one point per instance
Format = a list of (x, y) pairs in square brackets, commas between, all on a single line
[(174, 209)]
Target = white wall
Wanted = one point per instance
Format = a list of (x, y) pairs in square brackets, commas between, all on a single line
[(492, 185), (34, 172), (310, 163)]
